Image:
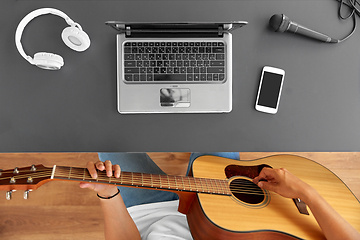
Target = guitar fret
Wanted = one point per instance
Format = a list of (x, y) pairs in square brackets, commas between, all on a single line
[(221, 187), (198, 182), (217, 186), (165, 181), (218, 189), (148, 180), (175, 182), (160, 181), (213, 185), (208, 188), (206, 185), (225, 187), (182, 180), (196, 186), (203, 182), (121, 179), (189, 184), (70, 173), (209, 185)]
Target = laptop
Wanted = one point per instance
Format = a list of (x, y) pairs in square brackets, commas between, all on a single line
[(174, 67)]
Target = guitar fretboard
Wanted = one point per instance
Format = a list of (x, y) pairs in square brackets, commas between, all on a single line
[(145, 180)]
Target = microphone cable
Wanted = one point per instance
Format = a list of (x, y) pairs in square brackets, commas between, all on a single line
[(354, 10)]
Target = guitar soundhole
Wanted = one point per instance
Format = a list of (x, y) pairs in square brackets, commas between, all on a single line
[(247, 191)]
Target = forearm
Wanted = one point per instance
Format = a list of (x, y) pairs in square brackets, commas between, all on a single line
[(332, 224), (118, 222)]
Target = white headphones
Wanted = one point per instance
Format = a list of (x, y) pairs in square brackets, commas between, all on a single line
[(74, 37)]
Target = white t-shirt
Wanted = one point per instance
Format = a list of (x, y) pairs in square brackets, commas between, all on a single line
[(160, 221)]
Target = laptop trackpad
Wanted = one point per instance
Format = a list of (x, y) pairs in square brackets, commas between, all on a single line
[(175, 97)]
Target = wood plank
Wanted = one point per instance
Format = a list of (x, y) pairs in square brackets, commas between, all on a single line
[(51, 222), (171, 163)]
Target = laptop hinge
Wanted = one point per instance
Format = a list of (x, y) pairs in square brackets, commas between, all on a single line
[(220, 31), (197, 29), (168, 32), (128, 31)]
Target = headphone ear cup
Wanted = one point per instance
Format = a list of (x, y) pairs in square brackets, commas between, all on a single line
[(48, 61), (75, 38)]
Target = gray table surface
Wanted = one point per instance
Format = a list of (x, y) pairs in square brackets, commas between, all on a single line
[(74, 109)]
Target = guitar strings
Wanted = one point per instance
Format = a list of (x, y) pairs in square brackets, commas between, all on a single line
[(124, 178), (145, 177), (247, 188), (148, 180), (88, 177)]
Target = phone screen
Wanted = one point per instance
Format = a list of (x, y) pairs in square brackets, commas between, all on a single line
[(270, 88)]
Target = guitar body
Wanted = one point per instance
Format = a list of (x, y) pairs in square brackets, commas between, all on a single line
[(270, 216)]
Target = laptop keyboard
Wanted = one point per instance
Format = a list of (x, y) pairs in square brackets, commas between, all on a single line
[(174, 61)]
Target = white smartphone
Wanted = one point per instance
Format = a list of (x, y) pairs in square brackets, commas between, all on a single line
[(269, 92)]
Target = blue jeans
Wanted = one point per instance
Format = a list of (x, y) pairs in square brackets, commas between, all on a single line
[(141, 162)]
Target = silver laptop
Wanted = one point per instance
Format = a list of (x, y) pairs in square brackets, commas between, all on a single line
[(174, 67)]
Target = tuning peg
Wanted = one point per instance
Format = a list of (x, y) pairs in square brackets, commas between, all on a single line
[(12, 180), (1, 172), (33, 168), (8, 195), (16, 170), (26, 194)]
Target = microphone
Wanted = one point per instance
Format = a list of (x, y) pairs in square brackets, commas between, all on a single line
[(281, 23)]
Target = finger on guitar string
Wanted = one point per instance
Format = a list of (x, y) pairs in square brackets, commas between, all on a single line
[(92, 169), (265, 174), (274, 179), (109, 168), (282, 182), (117, 170), (99, 165)]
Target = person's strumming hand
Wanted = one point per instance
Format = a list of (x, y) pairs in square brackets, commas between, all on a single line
[(282, 182)]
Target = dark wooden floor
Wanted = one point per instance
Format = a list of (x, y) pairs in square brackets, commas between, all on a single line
[(61, 210)]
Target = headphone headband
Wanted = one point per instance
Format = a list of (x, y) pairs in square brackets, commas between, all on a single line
[(73, 36), (30, 16)]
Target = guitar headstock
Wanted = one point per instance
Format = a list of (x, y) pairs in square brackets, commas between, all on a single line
[(26, 178)]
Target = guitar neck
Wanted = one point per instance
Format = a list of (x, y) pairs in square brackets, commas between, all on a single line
[(145, 180)]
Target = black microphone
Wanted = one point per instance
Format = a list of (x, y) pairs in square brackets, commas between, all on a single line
[(281, 23)]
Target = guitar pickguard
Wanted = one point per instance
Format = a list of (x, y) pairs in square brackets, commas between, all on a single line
[(246, 171)]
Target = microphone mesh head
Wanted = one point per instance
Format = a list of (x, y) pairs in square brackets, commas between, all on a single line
[(277, 23)]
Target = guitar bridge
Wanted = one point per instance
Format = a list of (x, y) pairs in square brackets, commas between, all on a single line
[(301, 206)]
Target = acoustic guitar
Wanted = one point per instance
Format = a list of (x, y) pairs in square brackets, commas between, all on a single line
[(219, 197)]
